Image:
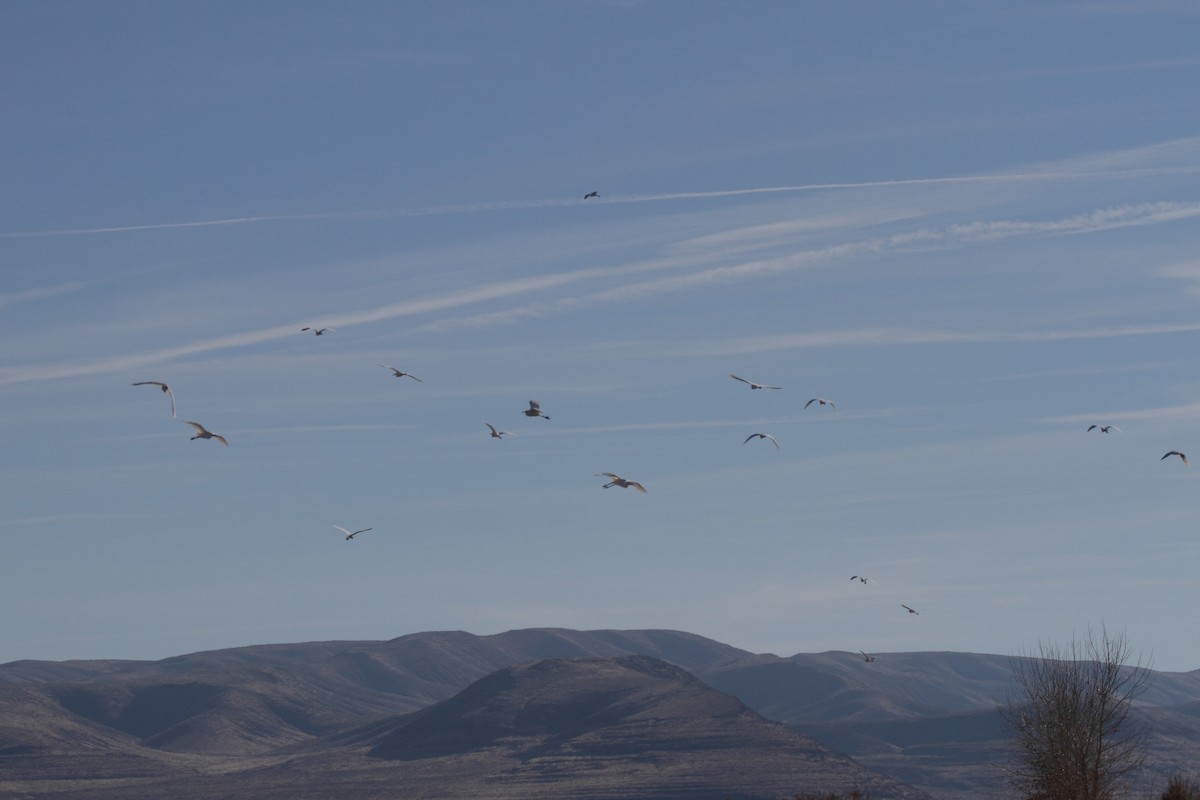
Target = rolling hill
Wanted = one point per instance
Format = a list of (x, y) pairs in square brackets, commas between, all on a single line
[(928, 719)]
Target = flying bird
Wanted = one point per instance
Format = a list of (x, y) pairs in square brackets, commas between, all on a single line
[(534, 410), (821, 401), (866, 657), (1182, 457), (205, 433), (350, 535), (763, 436), (859, 578), (910, 610), (1106, 429), (319, 331), (495, 433), (752, 384), (591, 194), (617, 480), (401, 374), (166, 390)]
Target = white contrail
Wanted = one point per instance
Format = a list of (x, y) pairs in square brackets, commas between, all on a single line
[(957, 235), (1099, 219), (391, 311), (502, 205)]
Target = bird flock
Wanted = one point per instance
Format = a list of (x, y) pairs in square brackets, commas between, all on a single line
[(612, 479)]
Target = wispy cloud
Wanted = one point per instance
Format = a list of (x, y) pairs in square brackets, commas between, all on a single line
[(54, 519), (951, 236), (1080, 169), (877, 337), (1186, 411), (248, 338), (28, 295)]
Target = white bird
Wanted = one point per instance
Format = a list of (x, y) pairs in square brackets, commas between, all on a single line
[(821, 401), (763, 436), (866, 657), (495, 433), (534, 410), (859, 578), (319, 331), (1106, 429), (401, 374), (166, 389), (752, 384), (205, 433), (617, 480), (910, 610), (1176, 453), (350, 535)]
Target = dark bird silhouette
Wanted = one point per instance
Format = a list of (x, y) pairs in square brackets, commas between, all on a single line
[(822, 402), (401, 374), (763, 436), (866, 657), (752, 384), (204, 433), (859, 578), (1182, 457), (590, 195), (534, 410), (910, 610), (495, 433), (166, 390), (1105, 428), (319, 331), (617, 480), (350, 535)]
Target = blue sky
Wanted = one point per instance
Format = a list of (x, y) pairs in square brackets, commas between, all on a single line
[(972, 226)]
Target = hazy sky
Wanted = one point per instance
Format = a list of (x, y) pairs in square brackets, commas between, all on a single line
[(972, 226)]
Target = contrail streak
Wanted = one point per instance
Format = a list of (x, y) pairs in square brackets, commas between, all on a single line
[(509, 205)]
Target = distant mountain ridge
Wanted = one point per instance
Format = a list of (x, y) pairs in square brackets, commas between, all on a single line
[(260, 701)]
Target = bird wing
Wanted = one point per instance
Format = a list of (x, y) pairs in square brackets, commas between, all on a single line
[(534, 405), (201, 429), (414, 377), (393, 369), (491, 427), (748, 438), (1092, 427), (637, 486), (364, 530), (736, 378), (164, 387), (810, 402), (343, 530), (612, 475), (220, 439), (772, 438)]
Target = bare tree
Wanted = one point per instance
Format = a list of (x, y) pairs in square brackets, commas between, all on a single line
[(1070, 708)]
